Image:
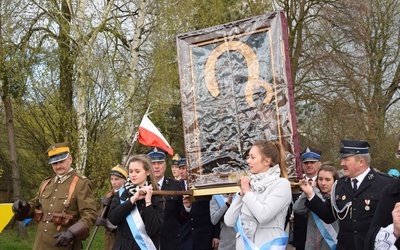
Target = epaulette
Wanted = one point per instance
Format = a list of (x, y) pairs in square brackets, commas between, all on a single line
[(383, 174), (81, 176)]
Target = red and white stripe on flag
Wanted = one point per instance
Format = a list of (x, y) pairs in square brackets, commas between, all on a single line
[(150, 136)]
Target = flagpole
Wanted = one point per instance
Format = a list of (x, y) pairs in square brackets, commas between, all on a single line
[(130, 149)]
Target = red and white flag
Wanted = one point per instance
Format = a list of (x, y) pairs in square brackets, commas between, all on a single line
[(150, 136)]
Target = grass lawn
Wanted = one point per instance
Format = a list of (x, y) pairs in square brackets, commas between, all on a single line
[(10, 241)]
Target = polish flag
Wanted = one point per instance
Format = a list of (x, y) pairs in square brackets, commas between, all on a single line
[(150, 136)]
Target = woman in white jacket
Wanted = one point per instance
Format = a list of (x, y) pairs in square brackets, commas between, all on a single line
[(263, 199)]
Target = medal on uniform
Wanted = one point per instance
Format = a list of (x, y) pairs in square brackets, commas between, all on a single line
[(367, 207), (343, 197)]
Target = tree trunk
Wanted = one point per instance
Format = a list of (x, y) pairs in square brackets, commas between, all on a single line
[(12, 146), (65, 54), (84, 45), (15, 174), (132, 82)]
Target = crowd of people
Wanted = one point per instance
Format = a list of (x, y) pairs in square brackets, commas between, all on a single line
[(359, 210)]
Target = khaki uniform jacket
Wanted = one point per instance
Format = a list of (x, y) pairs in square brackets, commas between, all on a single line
[(82, 206)]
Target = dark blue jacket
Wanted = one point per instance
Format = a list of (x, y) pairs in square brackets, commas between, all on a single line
[(174, 215), (198, 232), (354, 223), (383, 215)]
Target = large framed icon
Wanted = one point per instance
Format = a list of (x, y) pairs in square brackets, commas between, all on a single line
[(236, 88)]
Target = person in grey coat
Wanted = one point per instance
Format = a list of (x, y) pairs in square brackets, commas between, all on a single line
[(322, 237), (218, 206)]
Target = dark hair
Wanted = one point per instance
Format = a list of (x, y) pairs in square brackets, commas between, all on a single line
[(275, 151), (147, 166), (328, 166)]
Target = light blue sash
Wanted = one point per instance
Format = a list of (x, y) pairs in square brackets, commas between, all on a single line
[(327, 231), (137, 228), (275, 244), (220, 200)]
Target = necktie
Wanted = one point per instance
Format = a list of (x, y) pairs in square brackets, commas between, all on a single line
[(354, 185)]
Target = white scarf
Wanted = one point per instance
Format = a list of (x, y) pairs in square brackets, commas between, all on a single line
[(259, 182)]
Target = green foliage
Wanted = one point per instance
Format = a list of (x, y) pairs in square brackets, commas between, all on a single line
[(10, 241)]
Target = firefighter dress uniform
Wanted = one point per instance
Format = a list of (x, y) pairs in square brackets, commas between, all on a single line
[(353, 208)]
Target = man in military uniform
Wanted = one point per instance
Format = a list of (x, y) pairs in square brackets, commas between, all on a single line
[(64, 208), (174, 212), (354, 197)]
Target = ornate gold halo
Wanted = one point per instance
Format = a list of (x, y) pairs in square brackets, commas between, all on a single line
[(253, 71)]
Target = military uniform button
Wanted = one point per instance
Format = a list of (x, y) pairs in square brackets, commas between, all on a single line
[(45, 230), (55, 189), (48, 213), (47, 221), (51, 205), (354, 220), (355, 232)]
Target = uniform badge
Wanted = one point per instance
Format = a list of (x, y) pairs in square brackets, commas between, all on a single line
[(367, 207), (343, 197)]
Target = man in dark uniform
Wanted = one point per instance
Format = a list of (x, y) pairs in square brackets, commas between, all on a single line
[(354, 197), (384, 232), (198, 233), (64, 207), (174, 212), (311, 161)]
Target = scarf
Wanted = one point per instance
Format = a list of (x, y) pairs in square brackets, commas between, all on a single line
[(259, 182), (132, 188)]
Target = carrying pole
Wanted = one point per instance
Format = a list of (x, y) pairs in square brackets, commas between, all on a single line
[(95, 229)]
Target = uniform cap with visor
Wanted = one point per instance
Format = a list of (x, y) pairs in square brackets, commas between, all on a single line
[(58, 152), (157, 155), (311, 155), (182, 161), (353, 147)]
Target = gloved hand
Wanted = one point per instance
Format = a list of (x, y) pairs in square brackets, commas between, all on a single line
[(106, 202), (21, 209), (105, 223), (63, 238)]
